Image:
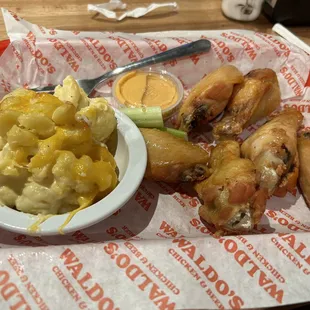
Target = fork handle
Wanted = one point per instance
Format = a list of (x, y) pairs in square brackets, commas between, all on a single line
[(188, 49)]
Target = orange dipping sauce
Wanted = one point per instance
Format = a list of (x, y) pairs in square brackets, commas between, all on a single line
[(146, 89)]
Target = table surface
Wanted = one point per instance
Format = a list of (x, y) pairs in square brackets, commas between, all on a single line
[(192, 15)]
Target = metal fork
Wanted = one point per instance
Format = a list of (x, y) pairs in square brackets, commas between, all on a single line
[(195, 47)]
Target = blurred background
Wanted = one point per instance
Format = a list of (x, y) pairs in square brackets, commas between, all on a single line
[(191, 15)]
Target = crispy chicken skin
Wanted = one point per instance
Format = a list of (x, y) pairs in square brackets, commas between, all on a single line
[(232, 200), (257, 97), (273, 149), (304, 169), (172, 159), (209, 97)]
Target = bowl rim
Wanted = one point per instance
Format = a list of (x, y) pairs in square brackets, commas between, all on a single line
[(19, 222)]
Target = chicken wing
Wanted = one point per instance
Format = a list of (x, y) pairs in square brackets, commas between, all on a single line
[(304, 169), (273, 149), (232, 200), (172, 159), (209, 97), (255, 98)]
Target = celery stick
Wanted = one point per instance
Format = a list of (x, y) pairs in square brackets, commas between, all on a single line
[(151, 118), (145, 117), (177, 133)]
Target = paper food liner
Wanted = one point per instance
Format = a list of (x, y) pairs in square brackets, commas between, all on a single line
[(169, 259)]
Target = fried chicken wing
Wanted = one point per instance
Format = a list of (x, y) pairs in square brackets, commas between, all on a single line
[(273, 149), (304, 169), (172, 159), (232, 200), (209, 97), (255, 98)]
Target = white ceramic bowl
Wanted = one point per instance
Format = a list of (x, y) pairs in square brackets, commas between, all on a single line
[(131, 157)]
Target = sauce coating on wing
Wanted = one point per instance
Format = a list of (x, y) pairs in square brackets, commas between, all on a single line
[(231, 198), (255, 98), (273, 149), (209, 97), (172, 159)]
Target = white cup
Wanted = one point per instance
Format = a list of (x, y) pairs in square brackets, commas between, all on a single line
[(243, 10)]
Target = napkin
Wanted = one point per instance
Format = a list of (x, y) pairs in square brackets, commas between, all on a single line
[(117, 10)]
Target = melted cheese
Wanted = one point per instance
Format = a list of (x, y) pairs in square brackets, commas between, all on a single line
[(50, 162), (84, 203), (36, 225)]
